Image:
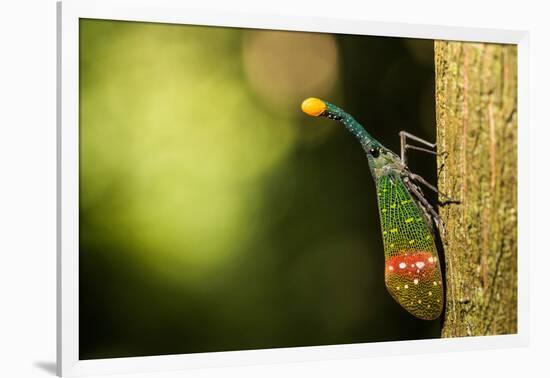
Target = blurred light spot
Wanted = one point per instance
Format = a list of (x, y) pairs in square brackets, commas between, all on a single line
[(286, 67), (174, 148)]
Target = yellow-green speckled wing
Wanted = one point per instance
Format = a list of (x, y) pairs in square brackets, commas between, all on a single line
[(412, 270)]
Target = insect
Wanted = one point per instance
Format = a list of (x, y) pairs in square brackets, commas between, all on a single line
[(412, 270)]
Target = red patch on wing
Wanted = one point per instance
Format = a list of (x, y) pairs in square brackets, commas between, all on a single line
[(412, 263)]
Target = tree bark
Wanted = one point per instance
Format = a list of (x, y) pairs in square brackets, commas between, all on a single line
[(476, 110)]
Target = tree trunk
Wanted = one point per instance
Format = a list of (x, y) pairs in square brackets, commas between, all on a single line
[(476, 103)]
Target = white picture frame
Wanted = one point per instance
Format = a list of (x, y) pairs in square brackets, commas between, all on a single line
[(69, 13)]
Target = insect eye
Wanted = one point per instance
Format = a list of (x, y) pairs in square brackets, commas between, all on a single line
[(374, 152)]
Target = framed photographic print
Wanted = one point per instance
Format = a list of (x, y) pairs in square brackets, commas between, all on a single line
[(240, 188)]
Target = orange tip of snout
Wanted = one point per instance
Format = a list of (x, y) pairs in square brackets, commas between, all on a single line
[(313, 106)]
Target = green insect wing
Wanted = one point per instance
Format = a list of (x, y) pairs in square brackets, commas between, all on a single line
[(412, 269)]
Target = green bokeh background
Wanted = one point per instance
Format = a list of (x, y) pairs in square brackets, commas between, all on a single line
[(214, 215)]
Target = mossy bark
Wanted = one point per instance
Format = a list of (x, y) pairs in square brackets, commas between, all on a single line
[(476, 106)]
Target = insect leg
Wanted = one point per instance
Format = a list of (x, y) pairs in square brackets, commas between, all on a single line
[(426, 205), (404, 147), (403, 135), (423, 181)]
